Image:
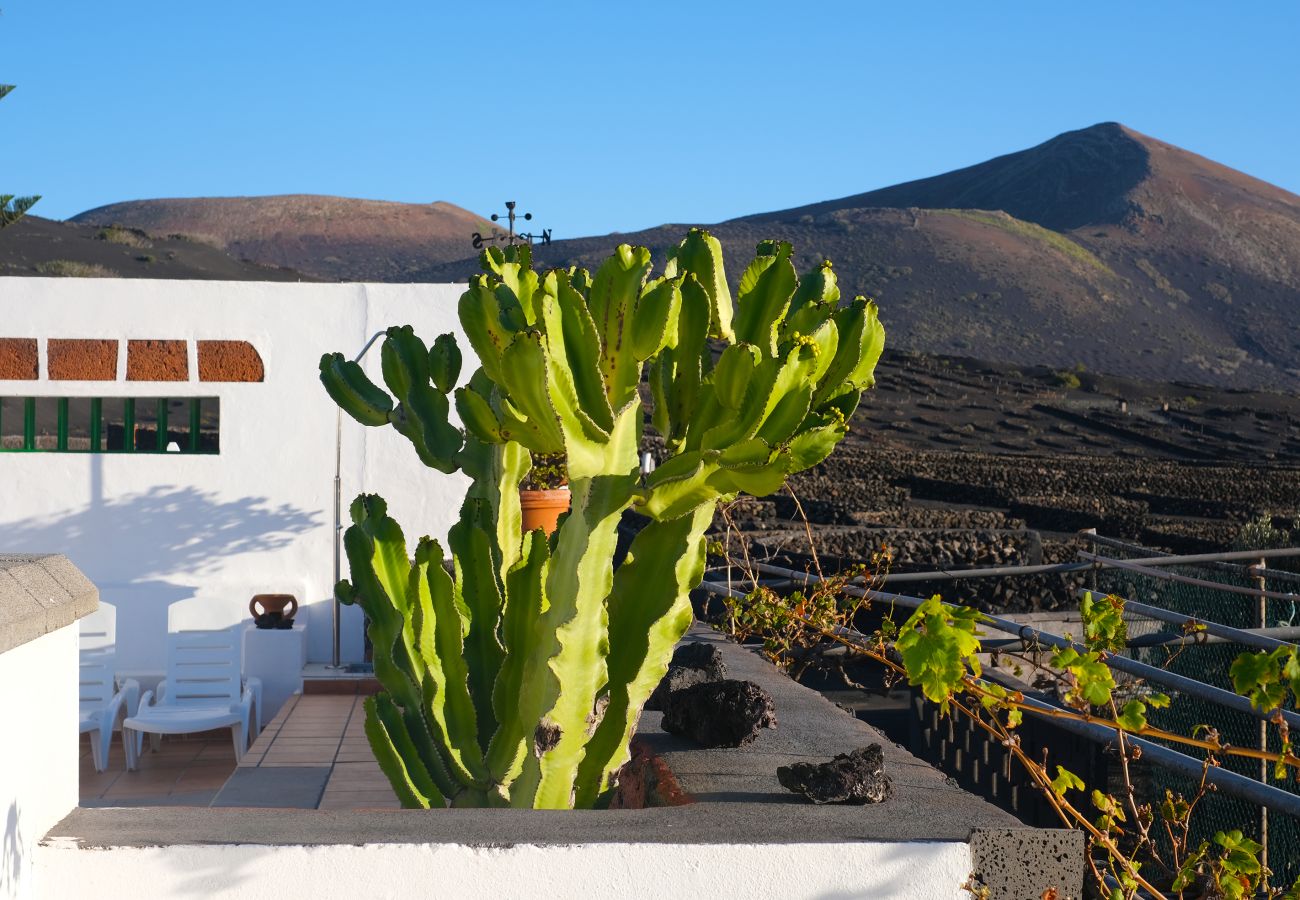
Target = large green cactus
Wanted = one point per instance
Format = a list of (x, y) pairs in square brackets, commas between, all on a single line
[(516, 675)]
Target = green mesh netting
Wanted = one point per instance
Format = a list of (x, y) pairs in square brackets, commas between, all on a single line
[(1209, 663)]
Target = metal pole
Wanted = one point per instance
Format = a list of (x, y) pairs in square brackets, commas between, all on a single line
[(1261, 621), (1226, 556), (991, 572), (1184, 579), (338, 507)]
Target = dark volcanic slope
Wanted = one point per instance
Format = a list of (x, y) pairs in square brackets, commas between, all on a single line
[(331, 237), (1077, 178), (36, 246), (1101, 247)]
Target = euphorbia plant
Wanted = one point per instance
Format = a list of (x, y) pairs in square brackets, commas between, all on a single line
[(517, 677)]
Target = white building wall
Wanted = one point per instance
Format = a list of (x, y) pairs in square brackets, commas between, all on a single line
[(152, 529), (38, 750), (916, 870)]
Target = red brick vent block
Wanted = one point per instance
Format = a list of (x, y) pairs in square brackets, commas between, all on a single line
[(82, 360), (645, 781), (156, 361), (229, 361), (18, 359)]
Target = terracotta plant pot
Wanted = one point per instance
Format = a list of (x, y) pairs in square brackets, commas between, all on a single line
[(542, 509), (277, 610)]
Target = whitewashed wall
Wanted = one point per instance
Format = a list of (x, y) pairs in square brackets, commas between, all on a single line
[(914, 870), (153, 529), (38, 750)]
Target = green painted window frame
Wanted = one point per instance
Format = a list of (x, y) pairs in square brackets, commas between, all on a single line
[(97, 431)]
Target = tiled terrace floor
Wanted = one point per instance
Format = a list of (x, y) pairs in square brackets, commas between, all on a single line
[(317, 740), (325, 730), (186, 771)]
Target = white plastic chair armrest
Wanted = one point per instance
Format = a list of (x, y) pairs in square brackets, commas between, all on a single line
[(162, 690), (130, 689), (113, 711), (146, 700), (254, 684)]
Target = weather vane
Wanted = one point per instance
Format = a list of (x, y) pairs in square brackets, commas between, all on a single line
[(511, 238)]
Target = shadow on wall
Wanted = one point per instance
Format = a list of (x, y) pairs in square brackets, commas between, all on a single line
[(148, 550), (11, 854)]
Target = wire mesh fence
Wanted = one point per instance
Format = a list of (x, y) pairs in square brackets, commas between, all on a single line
[(1210, 663)]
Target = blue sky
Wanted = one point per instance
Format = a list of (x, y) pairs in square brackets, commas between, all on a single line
[(614, 116)]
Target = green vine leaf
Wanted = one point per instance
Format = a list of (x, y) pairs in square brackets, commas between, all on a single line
[(1065, 780), (1103, 622), (937, 643), (1091, 681), (1133, 717), (1265, 677)]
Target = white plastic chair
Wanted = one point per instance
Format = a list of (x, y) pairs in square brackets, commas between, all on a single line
[(203, 690), (102, 699)]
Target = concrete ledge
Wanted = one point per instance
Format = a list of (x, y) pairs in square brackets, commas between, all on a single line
[(944, 832), (40, 593)]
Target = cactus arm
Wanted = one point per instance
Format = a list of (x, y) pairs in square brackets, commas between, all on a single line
[(355, 394), (394, 753), (577, 584), (480, 597), (440, 645), (817, 287), (478, 417), (493, 497), (430, 743), (524, 371), (700, 254), (649, 611), (519, 695), (571, 335), (654, 324), (421, 414), (679, 372), (480, 316), (614, 294), (859, 347), (444, 362), (873, 344), (764, 295)]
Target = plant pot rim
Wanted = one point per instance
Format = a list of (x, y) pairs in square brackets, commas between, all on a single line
[(543, 496)]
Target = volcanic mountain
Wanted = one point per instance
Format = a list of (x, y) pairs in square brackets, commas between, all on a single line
[(1101, 247), (37, 246), (329, 237)]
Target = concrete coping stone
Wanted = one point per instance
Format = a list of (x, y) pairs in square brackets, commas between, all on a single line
[(739, 802), (40, 593)]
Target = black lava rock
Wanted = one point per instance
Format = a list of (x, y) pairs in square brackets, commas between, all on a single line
[(857, 778), (719, 713), (694, 663)]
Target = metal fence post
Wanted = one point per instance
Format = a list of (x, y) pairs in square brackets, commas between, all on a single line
[(1261, 620)]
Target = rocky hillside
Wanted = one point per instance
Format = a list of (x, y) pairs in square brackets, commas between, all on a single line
[(329, 237), (1101, 247), (41, 247)]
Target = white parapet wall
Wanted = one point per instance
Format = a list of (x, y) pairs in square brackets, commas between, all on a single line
[(153, 529), (642, 871), (40, 602)]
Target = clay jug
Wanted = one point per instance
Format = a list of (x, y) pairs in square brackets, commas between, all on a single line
[(275, 609)]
